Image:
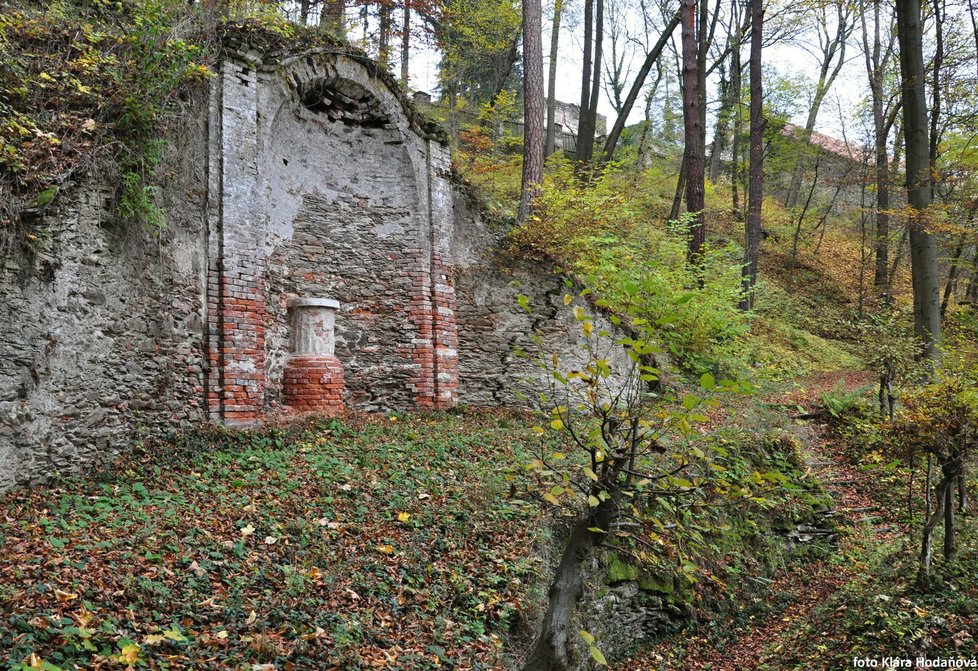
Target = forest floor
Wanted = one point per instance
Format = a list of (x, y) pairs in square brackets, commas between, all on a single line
[(374, 541), (798, 620)]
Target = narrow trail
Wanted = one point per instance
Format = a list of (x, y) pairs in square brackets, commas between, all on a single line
[(765, 644)]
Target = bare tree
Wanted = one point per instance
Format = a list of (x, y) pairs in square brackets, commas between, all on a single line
[(618, 64), (878, 58), (833, 21), (405, 44), (643, 73)]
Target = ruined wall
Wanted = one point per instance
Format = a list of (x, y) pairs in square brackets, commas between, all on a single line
[(101, 328), (327, 189), (299, 177)]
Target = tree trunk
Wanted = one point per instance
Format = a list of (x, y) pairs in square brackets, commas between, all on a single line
[(935, 109), (949, 517), (876, 60), (971, 293), (801, 220), (552, 650), (693, 127), (643, 145), (643, 73), (552, 80), (583, 117), (331, 17), (882, 219), (532, 107), (927, 541), (923, 248), (952, 276), (736, 81), (589, 106), (963, 490), (384, 45), (755, 194), (405, 45), (720, 130), (677, 199)]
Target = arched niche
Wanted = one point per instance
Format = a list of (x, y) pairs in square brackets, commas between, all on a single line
[(328, 188)]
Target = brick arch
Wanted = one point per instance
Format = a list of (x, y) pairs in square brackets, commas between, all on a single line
[(322, 184)]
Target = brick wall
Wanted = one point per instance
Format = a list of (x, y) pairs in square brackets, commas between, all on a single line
[(327, 189)]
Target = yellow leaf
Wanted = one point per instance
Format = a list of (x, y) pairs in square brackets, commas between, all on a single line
[(598, 656), (588, 328), (46, 77), (557, 425), (591, 474), (248, 530), (403, 517), (84, 616), (154, 639), (593, 501), (130, 653), (385, 549), (550, 498), (64, 596)]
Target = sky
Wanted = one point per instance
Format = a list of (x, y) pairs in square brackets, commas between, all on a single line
[(849, 88)]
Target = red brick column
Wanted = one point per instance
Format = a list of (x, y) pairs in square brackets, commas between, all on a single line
[(313, 380), (445, 332), (434, 348), (314, 384), (236, 312)]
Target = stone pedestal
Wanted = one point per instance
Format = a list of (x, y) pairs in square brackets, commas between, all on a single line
[(313, 375)]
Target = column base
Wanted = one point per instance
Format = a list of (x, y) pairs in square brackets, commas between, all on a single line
[(314, 383)]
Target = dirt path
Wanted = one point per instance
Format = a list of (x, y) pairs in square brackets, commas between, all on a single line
[(795, 595)]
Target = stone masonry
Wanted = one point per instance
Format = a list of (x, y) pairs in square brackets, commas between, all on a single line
[(304, 180)]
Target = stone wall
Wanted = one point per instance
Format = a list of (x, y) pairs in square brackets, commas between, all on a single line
[(101, 329), (301, 177)]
